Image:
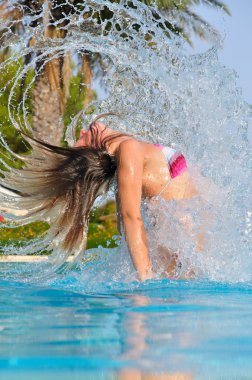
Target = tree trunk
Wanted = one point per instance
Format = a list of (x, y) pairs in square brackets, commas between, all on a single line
[(48, 96), (48, 104), (87, 79), (66, 75)]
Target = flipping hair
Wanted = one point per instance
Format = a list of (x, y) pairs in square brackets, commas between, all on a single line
[(60, 185)]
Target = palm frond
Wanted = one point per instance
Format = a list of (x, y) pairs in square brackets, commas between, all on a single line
[(192, 22), (180, 4), (218, 5)]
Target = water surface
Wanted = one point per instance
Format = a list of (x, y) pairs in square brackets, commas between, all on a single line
[(200, 330)]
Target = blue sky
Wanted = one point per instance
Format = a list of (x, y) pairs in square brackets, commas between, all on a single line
[(237, 32), (237, 45)]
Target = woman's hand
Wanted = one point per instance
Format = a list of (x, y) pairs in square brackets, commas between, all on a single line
[(149, 275)]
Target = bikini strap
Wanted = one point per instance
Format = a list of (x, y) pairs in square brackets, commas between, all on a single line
[(165, 187)]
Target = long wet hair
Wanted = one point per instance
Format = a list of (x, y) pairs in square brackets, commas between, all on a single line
[(60, 185)]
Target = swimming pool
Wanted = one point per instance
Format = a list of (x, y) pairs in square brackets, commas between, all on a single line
[(170, 329)]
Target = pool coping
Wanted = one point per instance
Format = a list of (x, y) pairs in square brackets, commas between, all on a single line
[(26, 258)]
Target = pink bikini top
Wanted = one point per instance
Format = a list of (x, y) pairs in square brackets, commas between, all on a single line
[(175, 160)]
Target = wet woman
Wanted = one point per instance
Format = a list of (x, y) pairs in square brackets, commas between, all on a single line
[(60, 185), (142, 170)]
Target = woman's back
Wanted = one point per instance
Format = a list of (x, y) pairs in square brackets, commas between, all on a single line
[(156, 176)]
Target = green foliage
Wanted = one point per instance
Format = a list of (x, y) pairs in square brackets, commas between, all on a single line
[(18, 236), (102, 228), (76, 99), (9, 132), (13, 138)]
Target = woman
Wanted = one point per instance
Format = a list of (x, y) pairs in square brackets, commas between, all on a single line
[(60, 185), (143, 170)]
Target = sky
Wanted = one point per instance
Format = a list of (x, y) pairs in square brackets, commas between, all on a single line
[(237, 50)]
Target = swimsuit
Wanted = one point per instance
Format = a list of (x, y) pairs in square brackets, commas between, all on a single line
[(175, 160)]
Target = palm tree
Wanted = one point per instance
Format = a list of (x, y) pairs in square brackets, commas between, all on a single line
[(187, 20), (52, 82)]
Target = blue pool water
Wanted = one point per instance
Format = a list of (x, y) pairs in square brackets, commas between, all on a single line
[(162, 330), (91, 325)]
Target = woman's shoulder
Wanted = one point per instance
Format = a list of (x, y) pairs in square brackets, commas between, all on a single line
[(130, 144), (131, 149)]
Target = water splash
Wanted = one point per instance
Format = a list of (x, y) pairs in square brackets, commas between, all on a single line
[(163, 95)]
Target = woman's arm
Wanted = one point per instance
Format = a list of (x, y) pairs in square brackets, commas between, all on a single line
[(129, 173), (118, 212)]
